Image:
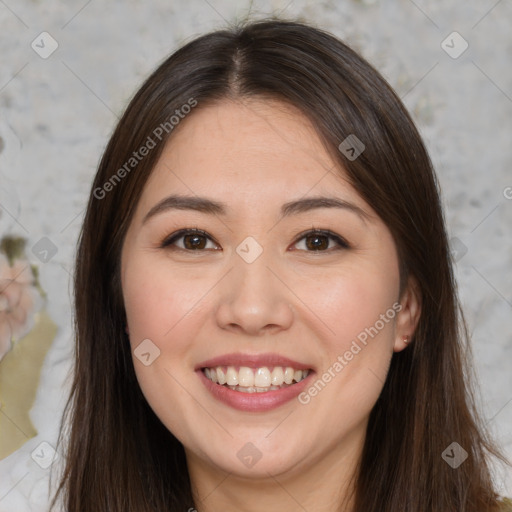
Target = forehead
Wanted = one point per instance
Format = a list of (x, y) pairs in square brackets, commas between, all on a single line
[(247, 152)]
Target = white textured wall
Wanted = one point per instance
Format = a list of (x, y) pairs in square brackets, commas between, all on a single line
[(56, 115)]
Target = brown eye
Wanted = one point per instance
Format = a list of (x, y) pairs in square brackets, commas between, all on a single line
[(317, 242), (194, 242), (189, 240), (320, 241)]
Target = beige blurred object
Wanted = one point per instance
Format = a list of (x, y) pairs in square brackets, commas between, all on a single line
[(20, 297), (20, 370)]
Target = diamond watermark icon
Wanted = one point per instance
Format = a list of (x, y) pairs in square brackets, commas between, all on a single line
[(249, 249), (44, 249), (457, 249), (44, 45), (44, 455), (352, 147), (249, 455), (454, 455), (454, 45), (146, 352)]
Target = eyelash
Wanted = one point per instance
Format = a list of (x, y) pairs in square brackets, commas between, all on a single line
[(171, 239)]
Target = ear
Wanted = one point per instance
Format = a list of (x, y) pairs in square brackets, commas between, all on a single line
[(408, 317)]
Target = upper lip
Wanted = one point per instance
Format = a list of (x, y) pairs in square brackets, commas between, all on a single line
[(252, 361)]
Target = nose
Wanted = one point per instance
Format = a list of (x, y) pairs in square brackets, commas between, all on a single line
[(254, 299)]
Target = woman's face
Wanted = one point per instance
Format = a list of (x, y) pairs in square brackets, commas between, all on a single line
[(301, 323)]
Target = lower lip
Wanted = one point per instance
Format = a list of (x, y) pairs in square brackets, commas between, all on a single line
[(254, 402)]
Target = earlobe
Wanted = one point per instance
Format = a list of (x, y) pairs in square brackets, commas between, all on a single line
[(409, 315)]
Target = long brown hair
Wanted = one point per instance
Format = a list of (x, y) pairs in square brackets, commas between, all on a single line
[(120, 457)]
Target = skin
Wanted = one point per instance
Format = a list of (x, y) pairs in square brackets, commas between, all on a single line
[(305, 304)]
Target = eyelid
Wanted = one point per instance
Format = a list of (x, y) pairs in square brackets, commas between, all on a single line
[(325, 232), (169, 240)]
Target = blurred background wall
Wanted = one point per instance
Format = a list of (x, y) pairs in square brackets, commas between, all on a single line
[(67, 70)]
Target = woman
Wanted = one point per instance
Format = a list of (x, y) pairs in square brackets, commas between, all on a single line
[(265, 308)]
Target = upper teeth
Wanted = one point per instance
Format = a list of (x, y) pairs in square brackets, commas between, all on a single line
[(259, 377)]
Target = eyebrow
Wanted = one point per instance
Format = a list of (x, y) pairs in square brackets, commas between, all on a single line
[(213, 207)]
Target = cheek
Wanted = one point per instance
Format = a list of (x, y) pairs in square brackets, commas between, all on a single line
[(161, 307), (157, 300), (351, 301), (356, 309)]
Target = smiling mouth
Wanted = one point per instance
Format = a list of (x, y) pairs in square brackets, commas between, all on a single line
[(255, 380)]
